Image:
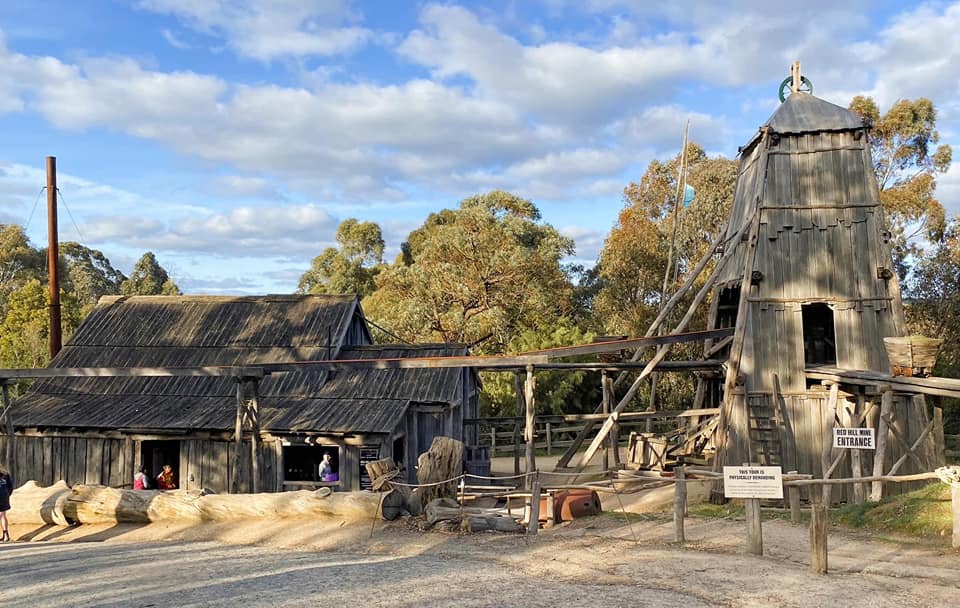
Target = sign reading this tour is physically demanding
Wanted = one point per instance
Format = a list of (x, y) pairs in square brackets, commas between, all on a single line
[(753, 482), (858, 439)]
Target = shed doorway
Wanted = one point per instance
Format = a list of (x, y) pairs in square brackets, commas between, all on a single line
[(155, 454), (819, 341)]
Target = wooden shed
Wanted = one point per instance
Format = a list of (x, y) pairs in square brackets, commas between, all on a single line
[(810, 284), (98, 430)]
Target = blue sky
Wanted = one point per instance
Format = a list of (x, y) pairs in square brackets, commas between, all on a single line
[(231, 137)]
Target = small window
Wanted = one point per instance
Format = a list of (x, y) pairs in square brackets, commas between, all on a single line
[(819, 342), (303, 463)]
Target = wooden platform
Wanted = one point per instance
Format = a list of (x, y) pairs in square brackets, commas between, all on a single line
[(940, 387)]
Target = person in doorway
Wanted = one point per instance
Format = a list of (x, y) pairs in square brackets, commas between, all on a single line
[(141, 481), (165, 479), (326, 467), (6, 489)]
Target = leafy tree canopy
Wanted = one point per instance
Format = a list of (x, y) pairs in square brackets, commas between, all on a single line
[(482, 272), (351, 268), (906, 160), (149, 279)]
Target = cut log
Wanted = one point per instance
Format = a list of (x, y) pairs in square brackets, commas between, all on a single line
[(443, 461), (479, 523), (34, 504), (98, 504), (380, 472)]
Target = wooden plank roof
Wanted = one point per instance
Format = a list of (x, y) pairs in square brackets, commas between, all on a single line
[(169, 332), (804, 113)]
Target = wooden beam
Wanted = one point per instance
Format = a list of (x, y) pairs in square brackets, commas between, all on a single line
[(616, 345), (826, 434)]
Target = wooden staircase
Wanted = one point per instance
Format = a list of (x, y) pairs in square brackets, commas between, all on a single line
[(765, 427)]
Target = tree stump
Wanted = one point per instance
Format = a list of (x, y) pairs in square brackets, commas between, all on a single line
[(443, 461)]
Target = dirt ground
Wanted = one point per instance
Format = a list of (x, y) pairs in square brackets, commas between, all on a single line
[(601, 559)]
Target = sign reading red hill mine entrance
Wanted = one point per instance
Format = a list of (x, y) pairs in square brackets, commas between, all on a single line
[(857, 439)]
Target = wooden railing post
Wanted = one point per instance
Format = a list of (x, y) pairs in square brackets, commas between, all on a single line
[(879, 457), (818, 532), (679, 504), (793, 493), (754, 526), (955, 504), (533, 526)]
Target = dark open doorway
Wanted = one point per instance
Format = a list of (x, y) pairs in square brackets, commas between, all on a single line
[(155, 454), (302, 463), (819, 341)]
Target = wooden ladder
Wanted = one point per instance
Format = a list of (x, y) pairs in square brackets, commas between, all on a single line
[(764, 420)]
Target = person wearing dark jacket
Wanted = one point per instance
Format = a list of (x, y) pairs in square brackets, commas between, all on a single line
[(6, 489)]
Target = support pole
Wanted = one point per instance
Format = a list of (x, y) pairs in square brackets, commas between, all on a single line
[(238, 438), (53, 256), (754, 528), (886, 406), (8, 457), (606, 412), (818, 532), (531, 408), (793, 494), (615, 429), (826, 447), (533, 526), (856, 464), (679, 504), (254, 412), (518, 391)]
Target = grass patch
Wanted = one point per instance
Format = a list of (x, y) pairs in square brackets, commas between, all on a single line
[(925, 512)]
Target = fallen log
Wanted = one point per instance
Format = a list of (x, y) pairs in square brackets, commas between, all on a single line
[(35, 504), (98, 504)]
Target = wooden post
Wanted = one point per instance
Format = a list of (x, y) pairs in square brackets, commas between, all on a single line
[(493, 441), (826, 447), (879, 456), (533, 526), (615, 429), (754, 528), (518, 391), (607, 399), (793, 494), (549, 440), (53, 256), (818, 532), (238, 438), (254, 412), (679, 503), (551, 510), (856, 465), (11, 437), (955, 504), (531, 408)]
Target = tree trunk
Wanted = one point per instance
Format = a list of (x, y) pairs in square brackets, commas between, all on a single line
[(99, 504), (443, 461)]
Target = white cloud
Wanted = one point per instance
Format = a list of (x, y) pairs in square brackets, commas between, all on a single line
[(173, 40), (270, 29), (287, 231), (244, 186), (948, 189), (589, 242)]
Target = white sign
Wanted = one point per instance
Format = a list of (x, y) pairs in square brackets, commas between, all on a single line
[(858, 439), (753, 482)]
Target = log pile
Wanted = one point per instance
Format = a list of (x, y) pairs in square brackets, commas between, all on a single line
[(58, 504), (472, 519)]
